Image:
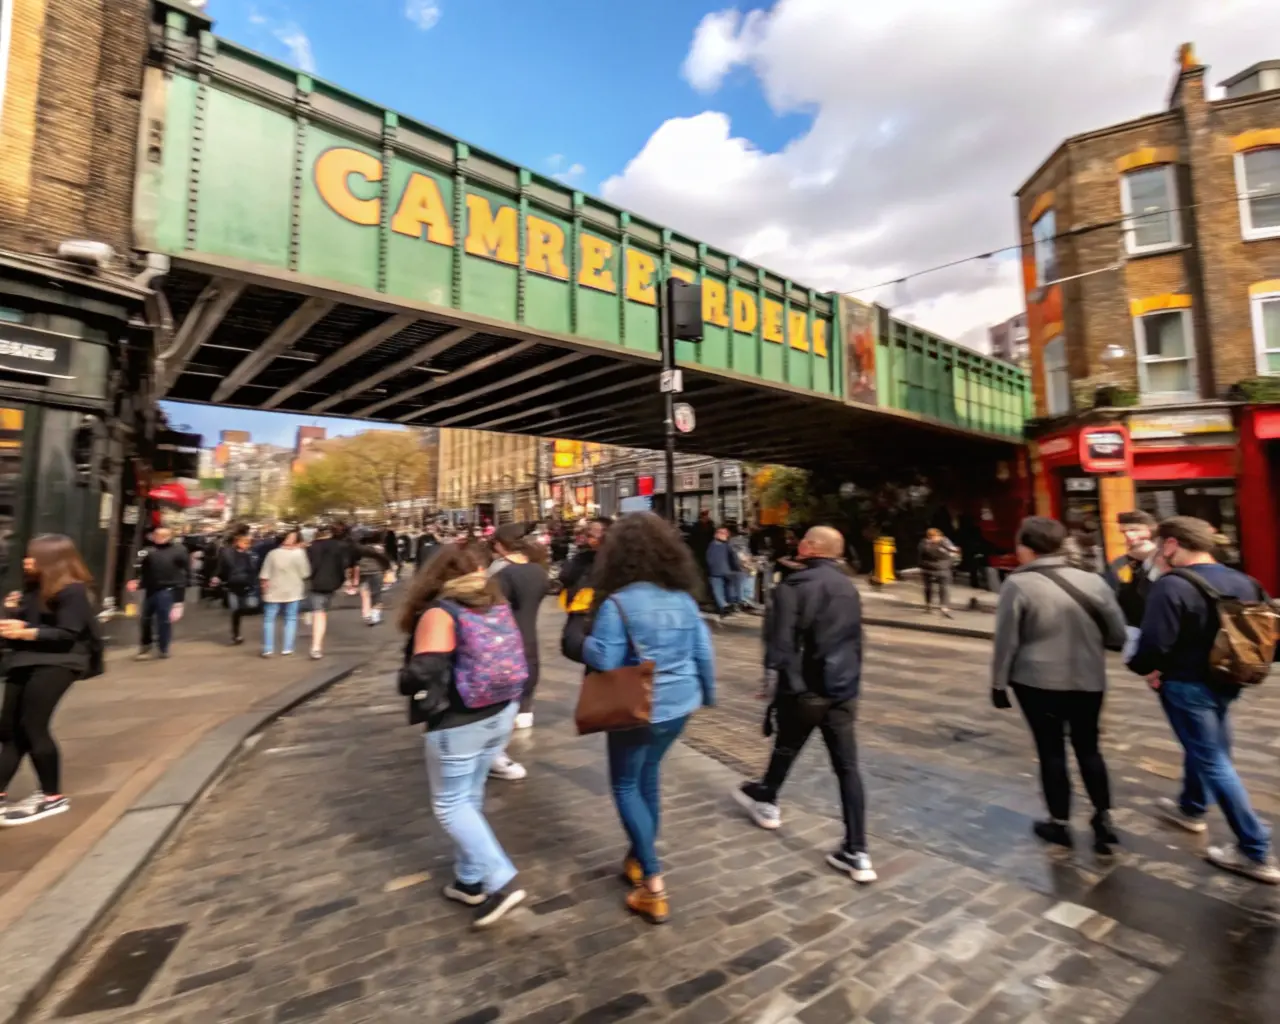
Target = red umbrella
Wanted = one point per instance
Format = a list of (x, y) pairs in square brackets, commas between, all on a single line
[(172, 493)]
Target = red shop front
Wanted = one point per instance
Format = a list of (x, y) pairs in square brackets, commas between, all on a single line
[(1258, 487)]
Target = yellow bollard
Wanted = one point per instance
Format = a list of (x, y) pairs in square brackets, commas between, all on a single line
[(885, 549)]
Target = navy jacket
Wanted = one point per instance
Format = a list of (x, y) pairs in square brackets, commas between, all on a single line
[(1179, 625), (722, 560), (814, 632)]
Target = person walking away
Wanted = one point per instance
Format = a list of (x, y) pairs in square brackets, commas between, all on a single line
[(644, 610), (813, 651), (1186, 611), (238, 573), (53, 641), (330, 560), (1054, 625), (372, 564), (391, 548), (1131, 575), (723, 570), (283, 579), (428, 543), (577, 595), (937, 556), (464, 673), (162, 576), (522, 577)]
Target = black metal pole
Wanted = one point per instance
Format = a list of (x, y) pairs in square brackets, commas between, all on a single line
[(668, 349)]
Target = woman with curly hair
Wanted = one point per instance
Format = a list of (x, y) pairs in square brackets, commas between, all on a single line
[(644, 580)]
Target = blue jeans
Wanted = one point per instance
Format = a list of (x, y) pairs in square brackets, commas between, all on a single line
[(635, 760), (723, 591), (157, 606), (1198, 715), (269, 612), (458, 761)]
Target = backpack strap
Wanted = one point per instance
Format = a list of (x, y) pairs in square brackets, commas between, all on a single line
[(1207, 590)]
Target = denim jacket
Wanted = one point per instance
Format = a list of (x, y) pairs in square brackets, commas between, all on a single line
[(665, 628)]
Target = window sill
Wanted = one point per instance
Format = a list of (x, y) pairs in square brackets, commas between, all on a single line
[(1166, 398), (1269, 235), (1164, 251)]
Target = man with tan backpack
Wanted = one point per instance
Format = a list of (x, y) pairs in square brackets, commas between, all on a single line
[(1208, 633)]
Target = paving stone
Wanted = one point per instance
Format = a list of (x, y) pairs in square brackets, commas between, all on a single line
[(840, 1006)]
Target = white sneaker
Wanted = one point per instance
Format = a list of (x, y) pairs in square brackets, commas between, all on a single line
[(1170, 811), (505, 768), (766, 815), (524, 720), (1229, 858)]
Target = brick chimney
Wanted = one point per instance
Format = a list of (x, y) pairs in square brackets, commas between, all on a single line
[(1188, 85)]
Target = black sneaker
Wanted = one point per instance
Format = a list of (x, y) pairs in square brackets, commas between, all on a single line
[(35, 809), (470, 893), (1057, 833), (496, 905), (1104, 834), (856, 865)]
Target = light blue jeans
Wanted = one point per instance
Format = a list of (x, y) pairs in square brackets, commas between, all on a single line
[(269, 612), (458, 761)]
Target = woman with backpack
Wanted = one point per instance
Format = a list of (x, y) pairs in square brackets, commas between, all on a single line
[(464, 672), (644, 610), (53, 640)]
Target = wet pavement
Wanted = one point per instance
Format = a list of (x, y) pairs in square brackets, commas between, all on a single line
[(306, 885)]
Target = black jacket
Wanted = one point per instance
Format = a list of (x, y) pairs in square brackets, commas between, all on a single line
[(238, 569), (427, 546), (330, 559), (814, 632), (1131, 580), (164, 567), (67, 631), (937, 557), (576, 577)]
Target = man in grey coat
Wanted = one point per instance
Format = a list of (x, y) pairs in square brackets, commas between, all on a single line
[(1054, 625)]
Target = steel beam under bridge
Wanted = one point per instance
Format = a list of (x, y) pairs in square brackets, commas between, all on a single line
[(291, 344)]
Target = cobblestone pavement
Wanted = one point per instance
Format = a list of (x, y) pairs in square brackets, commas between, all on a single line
[(306, 886)]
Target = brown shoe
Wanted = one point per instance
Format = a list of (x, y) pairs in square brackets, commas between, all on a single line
[(632, 872), (652, 906)]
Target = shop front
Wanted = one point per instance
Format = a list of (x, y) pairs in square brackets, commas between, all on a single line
[(1217, 463), (72, 367)]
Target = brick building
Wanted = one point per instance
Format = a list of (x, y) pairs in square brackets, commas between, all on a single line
[(73, 364), (1152, 275)]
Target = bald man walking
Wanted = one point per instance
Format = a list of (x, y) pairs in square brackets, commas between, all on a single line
[(814, 648)]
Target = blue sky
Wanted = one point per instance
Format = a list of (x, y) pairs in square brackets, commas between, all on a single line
[(567, 87)]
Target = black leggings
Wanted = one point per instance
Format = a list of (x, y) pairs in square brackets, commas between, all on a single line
[(1052, 716), (30, 697)]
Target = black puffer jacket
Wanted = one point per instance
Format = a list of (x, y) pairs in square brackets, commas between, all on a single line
[(814, 632)]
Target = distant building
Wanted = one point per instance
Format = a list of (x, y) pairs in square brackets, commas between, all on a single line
[(1009, 340)]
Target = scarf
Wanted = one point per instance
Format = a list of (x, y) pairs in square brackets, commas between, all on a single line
[(466, 589)]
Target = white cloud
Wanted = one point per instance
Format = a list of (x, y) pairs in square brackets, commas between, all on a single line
[(563, 171), (422, 14), (296, 41), (288, 33), (925, 119)]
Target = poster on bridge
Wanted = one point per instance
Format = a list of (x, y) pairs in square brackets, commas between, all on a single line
[(859, 321)]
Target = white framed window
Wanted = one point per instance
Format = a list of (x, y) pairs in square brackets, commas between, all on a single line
[(1148, 197), (1258, 185), (1166, 356), (1266, 332), (1044, 248), (1057, 379)]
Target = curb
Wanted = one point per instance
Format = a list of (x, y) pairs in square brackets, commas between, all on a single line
[(39, 944)]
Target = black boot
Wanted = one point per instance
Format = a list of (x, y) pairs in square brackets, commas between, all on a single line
[(1056, 832), (1104, 834)]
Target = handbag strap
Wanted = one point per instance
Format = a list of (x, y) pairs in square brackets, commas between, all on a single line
[(626, 626), (1087, 606)]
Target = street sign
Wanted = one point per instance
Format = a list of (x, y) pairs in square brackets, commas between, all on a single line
[(682, 414), (672, 381)]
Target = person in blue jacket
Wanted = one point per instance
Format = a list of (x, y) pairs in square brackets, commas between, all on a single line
[(644, 579), (723, 572)]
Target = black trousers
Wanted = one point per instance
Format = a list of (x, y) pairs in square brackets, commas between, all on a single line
[(797, 717), (31, 696), (940, 584), (530, 686), (1052, 716)]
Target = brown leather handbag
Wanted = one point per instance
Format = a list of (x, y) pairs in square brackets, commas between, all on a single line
[(621, 698)]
